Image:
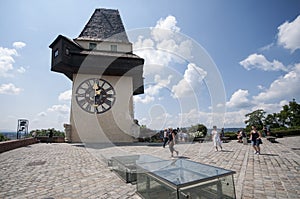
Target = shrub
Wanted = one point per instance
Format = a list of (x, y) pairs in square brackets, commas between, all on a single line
[(3, 138), (285, 132), (45, 132)]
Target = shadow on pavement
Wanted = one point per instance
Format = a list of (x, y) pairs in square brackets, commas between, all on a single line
[(268, 154), (227, 151)]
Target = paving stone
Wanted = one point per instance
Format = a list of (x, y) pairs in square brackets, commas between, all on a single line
[(68, 171)]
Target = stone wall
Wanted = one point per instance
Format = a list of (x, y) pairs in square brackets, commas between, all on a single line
[(55, 139), (13, 144)]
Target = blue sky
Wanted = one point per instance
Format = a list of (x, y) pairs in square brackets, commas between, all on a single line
[(254, 45)]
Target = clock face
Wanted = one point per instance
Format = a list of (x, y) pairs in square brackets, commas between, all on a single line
[(95, 95)]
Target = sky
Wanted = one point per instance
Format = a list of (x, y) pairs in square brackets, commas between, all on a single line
[(215, 62)]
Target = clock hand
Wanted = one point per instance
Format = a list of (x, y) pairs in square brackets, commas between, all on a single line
[(95, 87)]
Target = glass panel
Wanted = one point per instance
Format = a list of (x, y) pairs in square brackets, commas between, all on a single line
[(150, 187), (218, 188), (125, 166), (183, 179), (182, 171)]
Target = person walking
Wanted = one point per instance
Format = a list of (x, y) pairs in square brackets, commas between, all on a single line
[(255, 137), (50, 138), (244, 137), (165, 139), (172, 142), (216, 138), (222, 133)]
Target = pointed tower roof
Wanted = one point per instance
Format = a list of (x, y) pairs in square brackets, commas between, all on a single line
[(104, 25)]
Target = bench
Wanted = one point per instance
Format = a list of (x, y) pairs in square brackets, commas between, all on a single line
[(201, 140), (271, 139), (225, 139)]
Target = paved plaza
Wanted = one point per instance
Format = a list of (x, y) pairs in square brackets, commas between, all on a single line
[(62, 170)]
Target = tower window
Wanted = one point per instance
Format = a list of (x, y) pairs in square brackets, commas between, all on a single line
[(56, 53), (113, 48), (92, 46), (67, 51)]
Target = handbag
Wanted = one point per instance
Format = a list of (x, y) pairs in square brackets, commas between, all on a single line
[(259, 141)]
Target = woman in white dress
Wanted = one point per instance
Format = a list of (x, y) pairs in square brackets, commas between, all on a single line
[(216, 138)]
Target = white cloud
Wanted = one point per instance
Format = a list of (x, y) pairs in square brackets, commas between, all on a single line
[(164, 28), (175, 50), (153, 90), (159, 84), (191, 117), (195, 116), (146, 100), (260, 87), (6, 60), (142, 43), (19, 45), (289, 34), (162, 82), (63, 109), (164, 45), (159, 119), (239, 99), (65, 96), (155, 60), (259, 61), (236, 118), (9, 89), (192, 78), (285, 87), (21, 70), (270, 108), (267, 47), (42, 114)]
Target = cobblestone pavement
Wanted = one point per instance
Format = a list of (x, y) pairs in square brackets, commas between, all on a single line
[(73, 171)]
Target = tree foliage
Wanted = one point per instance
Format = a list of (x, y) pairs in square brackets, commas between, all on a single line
[(289, 116), (3, 138), (255, 118)]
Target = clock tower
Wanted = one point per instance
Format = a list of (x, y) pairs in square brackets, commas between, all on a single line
[(105, 75)]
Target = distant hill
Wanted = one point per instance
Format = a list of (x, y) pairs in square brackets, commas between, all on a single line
[(231, 129), (9, 135), (228, 129)]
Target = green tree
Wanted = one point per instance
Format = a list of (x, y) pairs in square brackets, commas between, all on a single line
[(283, 116), (45, 132), (272, 121), (289, 116), (3, 138), (294, 109), (256, 118)]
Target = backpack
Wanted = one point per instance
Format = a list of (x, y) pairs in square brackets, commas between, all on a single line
[(244, 134), (170, 136)]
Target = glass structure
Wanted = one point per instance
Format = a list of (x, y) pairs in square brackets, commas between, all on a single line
[(183, 178), (125, 166)]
